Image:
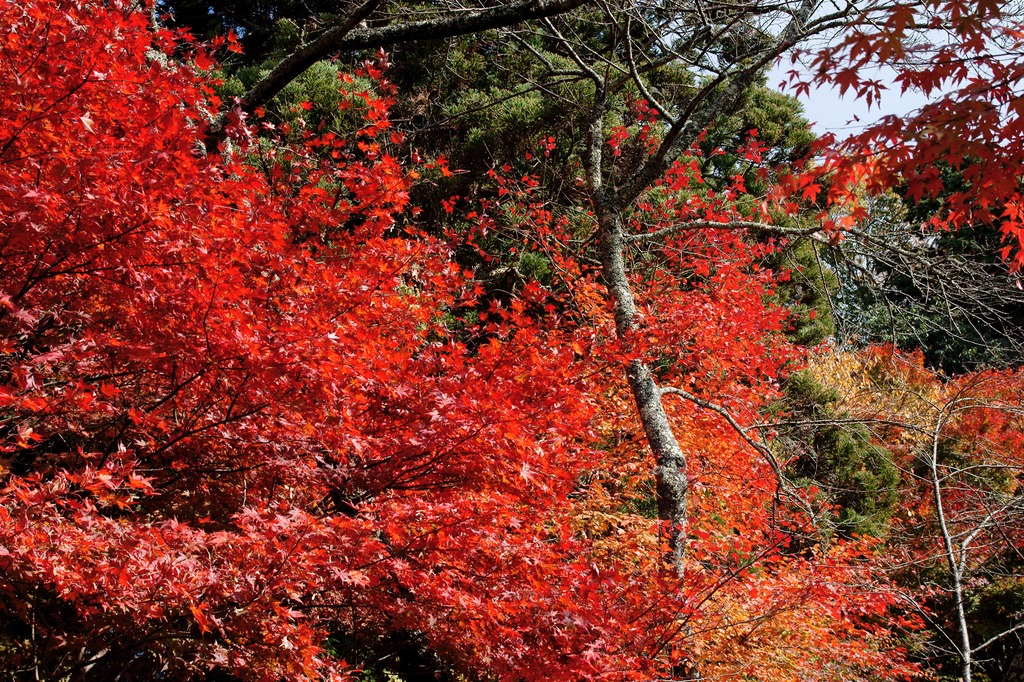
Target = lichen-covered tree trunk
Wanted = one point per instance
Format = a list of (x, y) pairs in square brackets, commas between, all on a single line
[(670, 470)]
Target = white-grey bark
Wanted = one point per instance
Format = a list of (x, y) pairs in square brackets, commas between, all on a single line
[(953, 561), (999, 510)]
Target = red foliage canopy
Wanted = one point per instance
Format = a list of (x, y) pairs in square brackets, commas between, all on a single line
[(965, 56), (231, 427), (241, 413)]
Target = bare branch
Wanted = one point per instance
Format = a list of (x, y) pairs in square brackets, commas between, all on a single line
[(695, 225), (743, 432), (711, 103), (996, 638)]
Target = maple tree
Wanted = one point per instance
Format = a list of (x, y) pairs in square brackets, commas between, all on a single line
[(235, 418), (956, 538), (257, 423), (965, 57), (745, 569)]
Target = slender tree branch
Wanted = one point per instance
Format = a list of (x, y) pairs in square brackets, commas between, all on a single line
[(743, 433), (349, 35), (996, 638), (695, 225)]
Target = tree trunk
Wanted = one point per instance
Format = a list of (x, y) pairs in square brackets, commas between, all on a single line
[(670, 469)]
